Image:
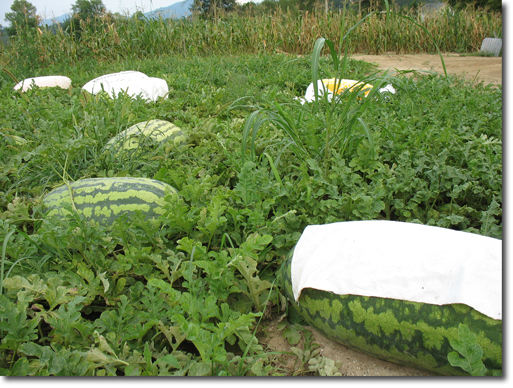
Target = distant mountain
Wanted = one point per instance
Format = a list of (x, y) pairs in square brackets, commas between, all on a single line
[(181, 9), (58, 19), (173, 11)]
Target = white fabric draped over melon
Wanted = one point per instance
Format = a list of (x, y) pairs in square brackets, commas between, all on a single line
[(400, 260)]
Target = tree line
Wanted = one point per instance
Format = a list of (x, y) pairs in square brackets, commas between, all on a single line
[(24, 16)]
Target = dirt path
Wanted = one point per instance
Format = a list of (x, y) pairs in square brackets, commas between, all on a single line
[(354, 363), (486, 69)]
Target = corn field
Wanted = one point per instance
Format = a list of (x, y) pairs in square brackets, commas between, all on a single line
[(108, 38)]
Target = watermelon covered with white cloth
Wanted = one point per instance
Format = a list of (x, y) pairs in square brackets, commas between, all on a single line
[(399, 291), (334, 86), (48, 81), (133, 83)]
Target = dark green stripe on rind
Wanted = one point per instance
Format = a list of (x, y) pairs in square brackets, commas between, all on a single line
[(106, 199), (408, 333)]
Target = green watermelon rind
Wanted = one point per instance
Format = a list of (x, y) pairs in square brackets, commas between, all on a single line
[(143, 134), (106, 199), (407, 333)]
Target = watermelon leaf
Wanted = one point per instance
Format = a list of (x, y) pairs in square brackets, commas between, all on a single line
[(15, 328), (325, 366), (245, 261), (20, 368), (169, 359), (292, 334), (471, 351)]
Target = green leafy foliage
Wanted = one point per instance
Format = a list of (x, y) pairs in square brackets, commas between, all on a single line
[(22, 17), (308, 355), (468, 352), (84, 13), (209, 9), (15, 326)]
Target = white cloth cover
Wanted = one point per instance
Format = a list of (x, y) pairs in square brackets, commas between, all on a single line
[(134, 83), (49, 81), (400, 260)]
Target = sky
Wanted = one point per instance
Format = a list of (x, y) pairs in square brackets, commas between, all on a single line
[(55, 8)]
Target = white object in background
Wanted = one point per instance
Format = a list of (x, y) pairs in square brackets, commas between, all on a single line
[(328, 85), (401, 260), (387, 89), (492, 46), (134, 83), (49, 81)]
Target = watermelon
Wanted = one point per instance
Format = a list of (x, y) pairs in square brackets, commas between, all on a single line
[(344, 84), (144, 134), (106, 199), (133, 83), (49, 81), (341, 85), (408, 333)]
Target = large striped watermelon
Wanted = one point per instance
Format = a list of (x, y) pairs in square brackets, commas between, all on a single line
[(407, 333), (401, 331), (106, 199), (145, 134)]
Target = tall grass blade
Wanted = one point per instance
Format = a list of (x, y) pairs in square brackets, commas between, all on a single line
[(253, 123), (3, 258), (274, 170), (316, 55)]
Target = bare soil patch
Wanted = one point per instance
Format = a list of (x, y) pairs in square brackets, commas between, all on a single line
[(354, 363), (472, 68)]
